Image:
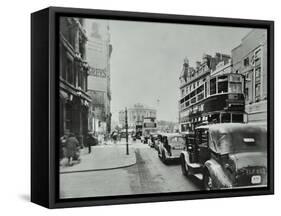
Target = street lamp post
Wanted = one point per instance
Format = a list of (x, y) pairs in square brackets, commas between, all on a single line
[(126, 126)]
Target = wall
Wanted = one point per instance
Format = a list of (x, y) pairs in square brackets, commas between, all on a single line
[(15, 129)]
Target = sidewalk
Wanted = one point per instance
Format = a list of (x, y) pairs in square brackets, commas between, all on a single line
[(103, 157)]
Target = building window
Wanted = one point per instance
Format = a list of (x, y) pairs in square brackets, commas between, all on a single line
[(193, 100), (257, 91), (69, 71), (246, 62), (258, 74), (63, 64), (246, 94), (258, 54), (68, 116)]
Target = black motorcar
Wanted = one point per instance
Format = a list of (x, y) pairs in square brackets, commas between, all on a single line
[(227, 155)]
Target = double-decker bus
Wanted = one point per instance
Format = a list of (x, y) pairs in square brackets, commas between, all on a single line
[(149, 126), (220, 98)]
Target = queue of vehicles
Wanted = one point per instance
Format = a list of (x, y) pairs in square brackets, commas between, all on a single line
[(222, 156), (216, 144)]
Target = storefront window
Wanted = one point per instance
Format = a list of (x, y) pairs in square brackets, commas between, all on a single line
[(257, 91)]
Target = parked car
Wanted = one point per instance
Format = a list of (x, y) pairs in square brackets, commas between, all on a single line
[(227, 155), (171, 146)]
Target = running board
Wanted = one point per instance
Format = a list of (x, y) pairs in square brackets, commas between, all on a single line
[(199, 176)]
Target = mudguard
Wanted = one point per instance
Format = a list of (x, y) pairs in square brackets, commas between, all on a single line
[(161, 148), (219, 177), (186, 157)]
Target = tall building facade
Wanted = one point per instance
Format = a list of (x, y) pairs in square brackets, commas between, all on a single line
[(136, 115), (74, 100), (98, 51), (250, 59)]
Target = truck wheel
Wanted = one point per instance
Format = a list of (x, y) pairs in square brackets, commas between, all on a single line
[(208, 181), (183, 166)]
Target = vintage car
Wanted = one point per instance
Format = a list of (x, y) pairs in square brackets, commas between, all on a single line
[(170, 146), (153, 139), (227, 155)]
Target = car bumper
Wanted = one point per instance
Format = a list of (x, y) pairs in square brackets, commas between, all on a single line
[(243, 187), (173, 158)]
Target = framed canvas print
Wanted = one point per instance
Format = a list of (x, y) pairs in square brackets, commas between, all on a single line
[(139, 107)]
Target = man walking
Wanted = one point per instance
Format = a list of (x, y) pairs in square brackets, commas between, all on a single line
[(91, 140)]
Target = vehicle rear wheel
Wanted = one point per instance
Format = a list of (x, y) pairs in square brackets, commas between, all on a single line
[(183, 166), (208, 181)]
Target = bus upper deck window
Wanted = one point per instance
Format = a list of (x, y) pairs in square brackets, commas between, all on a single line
[(222, 84), (235, 87), (213, 86)]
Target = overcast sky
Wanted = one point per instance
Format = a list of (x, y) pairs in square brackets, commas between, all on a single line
[(147, 60)]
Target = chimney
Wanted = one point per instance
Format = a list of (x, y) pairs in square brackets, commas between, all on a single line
[(198, 63)]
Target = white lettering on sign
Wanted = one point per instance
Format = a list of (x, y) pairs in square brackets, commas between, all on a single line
[(98, 72)]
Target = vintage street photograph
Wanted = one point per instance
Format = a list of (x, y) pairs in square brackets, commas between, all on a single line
[(148, 107)]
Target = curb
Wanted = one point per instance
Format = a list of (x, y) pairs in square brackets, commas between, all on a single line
[(99, 169)]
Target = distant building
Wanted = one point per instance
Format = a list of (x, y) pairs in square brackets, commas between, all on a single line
[(98, 51), (136, 115), (74, 101), (250, 59)]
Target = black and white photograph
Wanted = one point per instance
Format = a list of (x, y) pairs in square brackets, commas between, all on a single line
[(151, 107)]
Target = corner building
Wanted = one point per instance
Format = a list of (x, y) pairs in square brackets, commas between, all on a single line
[(250, 59)]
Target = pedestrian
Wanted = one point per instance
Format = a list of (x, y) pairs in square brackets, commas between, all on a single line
[(114, 136), (72, 146), (91, 141), (62, 146)]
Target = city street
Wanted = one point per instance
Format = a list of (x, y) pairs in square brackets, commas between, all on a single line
[(147, 175)]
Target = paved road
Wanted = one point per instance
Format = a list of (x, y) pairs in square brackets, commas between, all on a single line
[(148, 175)]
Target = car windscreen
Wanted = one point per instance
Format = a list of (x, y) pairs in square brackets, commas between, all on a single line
[(177, 142)]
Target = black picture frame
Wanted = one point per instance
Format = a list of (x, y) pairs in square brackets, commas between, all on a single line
[(44, 106)]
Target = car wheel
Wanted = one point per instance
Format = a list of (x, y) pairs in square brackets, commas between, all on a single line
[(208, 181), (163, 157), (183, 166), (159, 154)]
